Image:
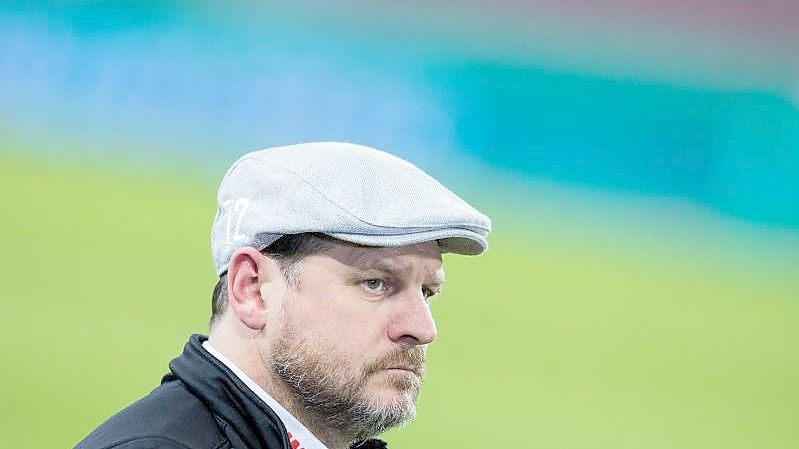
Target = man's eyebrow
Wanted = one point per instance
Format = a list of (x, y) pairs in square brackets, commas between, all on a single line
[(394, 268), (365, 264)]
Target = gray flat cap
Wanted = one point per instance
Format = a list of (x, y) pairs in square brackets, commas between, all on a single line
[(347, 191)]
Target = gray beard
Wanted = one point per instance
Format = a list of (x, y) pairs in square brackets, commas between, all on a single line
[(337, 400)]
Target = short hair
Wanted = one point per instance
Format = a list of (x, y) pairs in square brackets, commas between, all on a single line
[(288, 250)]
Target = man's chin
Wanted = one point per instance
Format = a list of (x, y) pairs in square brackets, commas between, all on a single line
[(401, 407), (395, 381), (392, 393)]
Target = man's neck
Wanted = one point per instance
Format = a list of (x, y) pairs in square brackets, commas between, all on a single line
[(246, 356), (278, 389)]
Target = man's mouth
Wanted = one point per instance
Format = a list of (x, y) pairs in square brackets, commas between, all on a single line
[(408, 361), (409, 368)]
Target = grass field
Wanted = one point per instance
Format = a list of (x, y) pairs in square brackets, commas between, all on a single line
[(576, 330)]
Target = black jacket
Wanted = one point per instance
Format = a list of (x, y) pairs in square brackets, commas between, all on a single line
[(200, 404)]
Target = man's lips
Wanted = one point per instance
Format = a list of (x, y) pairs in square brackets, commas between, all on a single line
[(411, 368)]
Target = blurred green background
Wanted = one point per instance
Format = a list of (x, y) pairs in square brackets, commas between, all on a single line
[(640, 161)]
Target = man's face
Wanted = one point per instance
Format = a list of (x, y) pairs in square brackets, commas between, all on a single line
[(351, 337)]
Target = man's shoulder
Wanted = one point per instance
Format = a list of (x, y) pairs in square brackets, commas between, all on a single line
[(170, 417)]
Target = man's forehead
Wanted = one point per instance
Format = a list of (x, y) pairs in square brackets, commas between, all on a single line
[(401, 258), (392, 254)]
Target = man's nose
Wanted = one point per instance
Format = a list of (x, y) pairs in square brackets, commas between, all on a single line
[(412, 323)]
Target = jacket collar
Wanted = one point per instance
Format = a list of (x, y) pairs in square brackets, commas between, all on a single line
[(248, 418)]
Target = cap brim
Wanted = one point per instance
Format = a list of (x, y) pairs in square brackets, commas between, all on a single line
[(457, 241)]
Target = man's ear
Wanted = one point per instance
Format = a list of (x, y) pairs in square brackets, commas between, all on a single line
[(246, 270)]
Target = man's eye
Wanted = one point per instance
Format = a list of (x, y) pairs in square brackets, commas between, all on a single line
[(374, 285)]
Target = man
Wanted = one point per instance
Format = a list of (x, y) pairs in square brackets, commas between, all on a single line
[(328, 255)]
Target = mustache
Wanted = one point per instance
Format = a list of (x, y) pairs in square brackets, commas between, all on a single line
[(415, 357)]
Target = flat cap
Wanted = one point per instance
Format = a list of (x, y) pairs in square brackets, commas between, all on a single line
[(347, 191)]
